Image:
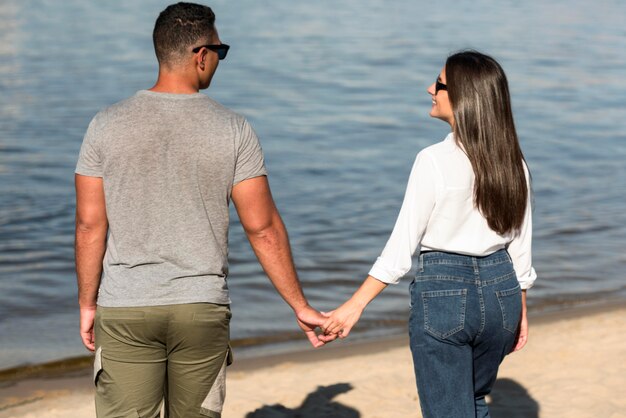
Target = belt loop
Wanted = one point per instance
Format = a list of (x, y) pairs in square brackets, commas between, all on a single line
[(420, 263), (475, 263)]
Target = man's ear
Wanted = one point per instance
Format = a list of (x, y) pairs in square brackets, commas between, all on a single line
[(202, 59)]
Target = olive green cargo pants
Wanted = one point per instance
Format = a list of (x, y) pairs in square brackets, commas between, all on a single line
[(171, 353)]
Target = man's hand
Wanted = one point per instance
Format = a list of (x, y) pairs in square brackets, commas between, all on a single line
[(309, 319), (87, 316)]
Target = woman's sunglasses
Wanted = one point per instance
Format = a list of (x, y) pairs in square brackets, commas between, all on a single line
[(440, 86)]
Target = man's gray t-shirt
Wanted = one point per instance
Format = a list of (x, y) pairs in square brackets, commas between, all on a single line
[(168, 164)]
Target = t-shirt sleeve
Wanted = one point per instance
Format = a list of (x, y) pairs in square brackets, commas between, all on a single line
[(90, 158), (250, 162)]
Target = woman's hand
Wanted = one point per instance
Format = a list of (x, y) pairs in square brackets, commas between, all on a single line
[(341, 320), (522, 333)]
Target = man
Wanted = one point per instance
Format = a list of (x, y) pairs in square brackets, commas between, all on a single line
[(154, 179)]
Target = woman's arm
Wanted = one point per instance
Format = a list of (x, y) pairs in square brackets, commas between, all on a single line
[(520, 250), (395, 260)]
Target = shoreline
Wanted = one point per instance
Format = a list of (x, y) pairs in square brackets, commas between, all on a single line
[(287, 377), (286, 348), (268, 349), (347, 348)]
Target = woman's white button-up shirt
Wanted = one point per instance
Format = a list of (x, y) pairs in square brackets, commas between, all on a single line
[(438, 214)]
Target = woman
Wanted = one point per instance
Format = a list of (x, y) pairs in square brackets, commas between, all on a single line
[(467, 208)]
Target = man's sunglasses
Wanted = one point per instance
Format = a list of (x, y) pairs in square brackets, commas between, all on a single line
[(440, 86), (221, 49)]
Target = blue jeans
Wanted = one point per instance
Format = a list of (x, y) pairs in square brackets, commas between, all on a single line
[(465, 312)]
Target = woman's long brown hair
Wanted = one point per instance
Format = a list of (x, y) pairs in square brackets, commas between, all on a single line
[(483, 124)]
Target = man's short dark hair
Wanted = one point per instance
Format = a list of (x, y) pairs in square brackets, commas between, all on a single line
[(179, 28)]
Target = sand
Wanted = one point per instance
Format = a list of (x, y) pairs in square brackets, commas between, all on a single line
[(574, 366)]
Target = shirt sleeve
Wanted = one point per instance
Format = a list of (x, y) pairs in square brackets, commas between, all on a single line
[(520, 247), (90, 159), (419, 201), (250, 162)]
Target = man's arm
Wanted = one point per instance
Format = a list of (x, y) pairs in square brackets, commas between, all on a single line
[(268, 238), (91, 233)]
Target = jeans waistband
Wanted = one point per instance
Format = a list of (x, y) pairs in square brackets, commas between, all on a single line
[(439, 257)]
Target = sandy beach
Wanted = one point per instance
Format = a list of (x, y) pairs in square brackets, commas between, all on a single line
[(574, 366)]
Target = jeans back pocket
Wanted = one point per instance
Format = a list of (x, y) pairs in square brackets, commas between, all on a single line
[(444, 312), (510, 302)]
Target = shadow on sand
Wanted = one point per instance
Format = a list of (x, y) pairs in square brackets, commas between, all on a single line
[(509, 399), (317, 404)]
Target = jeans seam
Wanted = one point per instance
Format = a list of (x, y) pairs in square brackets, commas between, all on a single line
[(445, 278), (481, 302), (481, 299)]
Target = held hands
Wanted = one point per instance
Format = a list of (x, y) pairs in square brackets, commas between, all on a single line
[(309, 319), (339, 322), (335, 324)]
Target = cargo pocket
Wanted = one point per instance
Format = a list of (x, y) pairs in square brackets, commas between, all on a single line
[(214, 402), (103, 401), (97, 365), (444, 312), (510, 303)]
